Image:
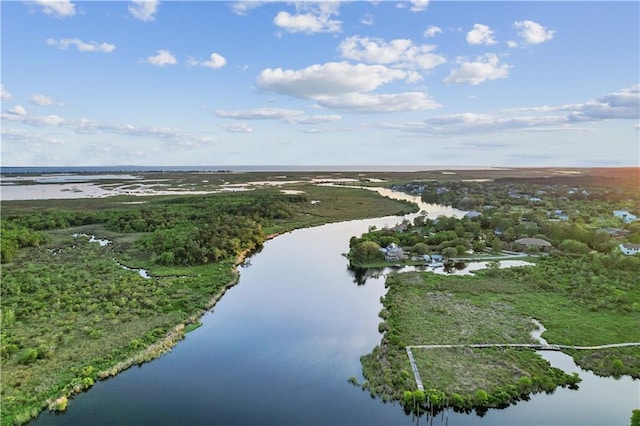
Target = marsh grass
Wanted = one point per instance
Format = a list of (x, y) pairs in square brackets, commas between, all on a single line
[(423, 308)]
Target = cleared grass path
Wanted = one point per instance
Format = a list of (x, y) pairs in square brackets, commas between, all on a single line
[(538, 347)]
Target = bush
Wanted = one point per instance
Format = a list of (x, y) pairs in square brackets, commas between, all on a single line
[(573, 246), (59, 404), (28, 356), (481, 398)]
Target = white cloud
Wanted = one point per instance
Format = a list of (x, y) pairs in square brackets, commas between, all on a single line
[(419, 5), (17, 110), (332, 78), (624, 104), (13, 133), (480, 34), (259, 114), (4, 94), (378, 103), (431, 31), (310, 18), (24, 136), (313, 119), (512, 44), (486, 67), (87, 126), (57, 8), (82, 46), (237, 128), (215, 61), (401, 52), (290, 116), (164, 57), (367, 19), (38, 120), (472, 123), (343, 86), (144, 10), (41, 100), (242, 7), (532, 32)]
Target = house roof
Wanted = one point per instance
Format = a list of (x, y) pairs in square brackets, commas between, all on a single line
[(533, 242), (631, 246)]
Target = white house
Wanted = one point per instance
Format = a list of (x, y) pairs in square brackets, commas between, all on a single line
[(629, 249), (625, 216)]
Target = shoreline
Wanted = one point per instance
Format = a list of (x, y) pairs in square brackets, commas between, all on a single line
[(162, 346)]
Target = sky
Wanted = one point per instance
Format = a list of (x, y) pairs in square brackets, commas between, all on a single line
[(437, 83)]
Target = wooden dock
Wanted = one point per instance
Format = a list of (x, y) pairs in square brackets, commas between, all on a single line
[(416, 375), (537, 347)]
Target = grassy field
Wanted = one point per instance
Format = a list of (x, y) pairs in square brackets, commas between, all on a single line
[(424, 308), (72, 315)]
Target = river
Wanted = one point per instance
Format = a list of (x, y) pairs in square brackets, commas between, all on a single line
[(279, 347)]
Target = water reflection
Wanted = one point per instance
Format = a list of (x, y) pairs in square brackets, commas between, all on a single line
[(360, 275)]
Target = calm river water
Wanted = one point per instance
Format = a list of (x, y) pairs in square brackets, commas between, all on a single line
[(279, 347)]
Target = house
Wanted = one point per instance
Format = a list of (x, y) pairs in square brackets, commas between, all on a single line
[(614, 232), (400, 227), (525, 243), (473, 214), (560, 214), (394, 253), (629, 249), (625, 216)]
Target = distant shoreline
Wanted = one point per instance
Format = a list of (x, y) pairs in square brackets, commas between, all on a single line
[(240, 169)]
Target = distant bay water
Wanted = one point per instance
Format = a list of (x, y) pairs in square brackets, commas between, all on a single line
[(255, 168)]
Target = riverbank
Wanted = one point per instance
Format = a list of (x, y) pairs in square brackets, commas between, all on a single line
[(93, 319), (428, 309)]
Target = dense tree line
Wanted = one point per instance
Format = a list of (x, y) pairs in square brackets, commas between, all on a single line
[(179, 231)]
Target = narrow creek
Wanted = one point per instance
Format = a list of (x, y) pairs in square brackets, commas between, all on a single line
[(279, 347)]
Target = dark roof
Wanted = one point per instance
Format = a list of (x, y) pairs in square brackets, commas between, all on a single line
[(631, 246)]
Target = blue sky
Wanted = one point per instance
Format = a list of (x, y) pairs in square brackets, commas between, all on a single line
[(442, 83)]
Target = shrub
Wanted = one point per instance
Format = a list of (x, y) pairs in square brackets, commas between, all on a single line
[(59, 404), (28, 356)]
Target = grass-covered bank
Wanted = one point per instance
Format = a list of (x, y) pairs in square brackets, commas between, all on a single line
[(71, 315), (496, 307)]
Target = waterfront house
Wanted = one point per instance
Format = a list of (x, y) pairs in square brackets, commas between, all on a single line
[(394, 253), (629, 249)]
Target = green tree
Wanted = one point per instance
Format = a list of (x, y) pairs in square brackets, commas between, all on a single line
[(366, 251), (449, 252), (481, 397), (421, 248), (573, 246)]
